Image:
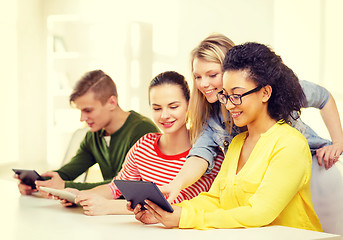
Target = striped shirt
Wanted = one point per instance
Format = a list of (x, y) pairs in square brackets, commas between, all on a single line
[(146, 162)]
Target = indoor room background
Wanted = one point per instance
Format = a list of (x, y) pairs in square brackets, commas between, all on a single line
[(46, 45)]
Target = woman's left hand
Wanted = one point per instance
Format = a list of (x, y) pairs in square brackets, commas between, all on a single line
[(329, 154), (168, 219)]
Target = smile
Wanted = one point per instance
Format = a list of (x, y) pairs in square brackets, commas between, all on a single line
[(235, 114), (168, 124), (209, 92)]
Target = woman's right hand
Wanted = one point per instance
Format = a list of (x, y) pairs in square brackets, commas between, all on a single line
[(171, 191)]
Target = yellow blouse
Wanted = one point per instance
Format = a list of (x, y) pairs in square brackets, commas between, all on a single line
[(272, 188)]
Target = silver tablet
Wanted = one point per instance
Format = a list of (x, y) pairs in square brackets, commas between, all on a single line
[(62, 194)]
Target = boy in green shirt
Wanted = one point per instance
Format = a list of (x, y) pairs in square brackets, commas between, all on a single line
[(112, 133)]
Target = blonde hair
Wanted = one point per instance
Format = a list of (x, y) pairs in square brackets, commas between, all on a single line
[(211, 49)]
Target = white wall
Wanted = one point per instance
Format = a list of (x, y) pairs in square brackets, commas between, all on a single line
[(9, 141), (305, 33), (308, 36), (177, 27), (31, 81)]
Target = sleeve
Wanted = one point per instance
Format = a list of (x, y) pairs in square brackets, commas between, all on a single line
[(284, 177), (205, 147), (83, 160), (316, 96), (85, 185), (129, 169)]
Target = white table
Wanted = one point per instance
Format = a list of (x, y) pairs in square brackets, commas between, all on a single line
[(30, 217)]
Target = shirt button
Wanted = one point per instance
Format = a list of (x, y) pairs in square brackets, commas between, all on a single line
[(226, 143)]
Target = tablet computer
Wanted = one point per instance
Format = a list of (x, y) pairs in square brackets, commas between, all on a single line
[(137, 191), (62, 194), (28, 177)]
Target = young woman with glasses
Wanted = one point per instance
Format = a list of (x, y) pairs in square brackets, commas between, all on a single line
[(265, 177)]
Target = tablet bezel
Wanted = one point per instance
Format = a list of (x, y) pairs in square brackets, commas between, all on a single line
[(137, 191)]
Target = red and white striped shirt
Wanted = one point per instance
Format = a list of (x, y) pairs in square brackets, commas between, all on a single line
[(146, 162)]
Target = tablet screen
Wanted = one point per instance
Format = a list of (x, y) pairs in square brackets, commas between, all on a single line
[(137, 191)]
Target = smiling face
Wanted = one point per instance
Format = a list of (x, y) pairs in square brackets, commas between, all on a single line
[(253, 105), (93, 112), (169, 107), (208, 78)]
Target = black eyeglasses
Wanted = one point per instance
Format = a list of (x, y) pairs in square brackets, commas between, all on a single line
[(235, 99)]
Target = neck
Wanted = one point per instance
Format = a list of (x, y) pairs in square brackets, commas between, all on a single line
[(175, 143), (117, 121), (260, 125)]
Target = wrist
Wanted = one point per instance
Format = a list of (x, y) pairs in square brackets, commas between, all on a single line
[(338, 142), (177, 183)]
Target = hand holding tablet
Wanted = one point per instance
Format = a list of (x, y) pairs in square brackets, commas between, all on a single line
[(137, 191), (28, 177)]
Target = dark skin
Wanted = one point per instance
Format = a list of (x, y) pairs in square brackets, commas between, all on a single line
[(155, 214)]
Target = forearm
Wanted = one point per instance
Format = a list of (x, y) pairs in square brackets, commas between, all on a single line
[(118, 207), (102, 190), (191, 171), (332, 121)]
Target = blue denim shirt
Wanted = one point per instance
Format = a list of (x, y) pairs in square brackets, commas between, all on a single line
[(216, 135)]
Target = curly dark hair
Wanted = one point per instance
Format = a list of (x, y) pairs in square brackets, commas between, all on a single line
[(267, 68)]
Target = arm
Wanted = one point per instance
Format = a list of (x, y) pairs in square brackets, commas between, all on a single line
[(316, 96), (100, 200), (201, 157), (90, 152), (320, 98), (332, 121), (190, 172), (80, 163)]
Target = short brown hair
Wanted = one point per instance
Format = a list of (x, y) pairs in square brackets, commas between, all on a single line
[(97, 82)]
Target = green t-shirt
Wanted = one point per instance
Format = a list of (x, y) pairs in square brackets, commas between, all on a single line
[(93, 149)]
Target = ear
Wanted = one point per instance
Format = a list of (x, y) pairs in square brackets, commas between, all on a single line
[(112, 102), (267, 92)]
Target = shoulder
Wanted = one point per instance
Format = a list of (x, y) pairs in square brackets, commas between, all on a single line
[(289, 136), (135, 116), (148, 139), (138, 120)]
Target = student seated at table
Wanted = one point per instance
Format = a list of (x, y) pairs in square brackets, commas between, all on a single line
[(265, 177), (155, 157), (113, 132)]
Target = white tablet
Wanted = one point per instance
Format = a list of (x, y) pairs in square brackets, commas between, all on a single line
[(62, 194)]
